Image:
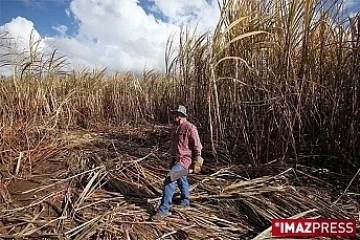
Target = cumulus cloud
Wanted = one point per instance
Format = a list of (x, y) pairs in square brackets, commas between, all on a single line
[(121, 35), (22, 34), (206, 13), (60, 29), (18, 39)]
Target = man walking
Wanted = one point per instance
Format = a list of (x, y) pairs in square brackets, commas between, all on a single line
[(185, 149)]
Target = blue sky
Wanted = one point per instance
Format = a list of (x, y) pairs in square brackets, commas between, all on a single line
[(44, 14), (118, 34)]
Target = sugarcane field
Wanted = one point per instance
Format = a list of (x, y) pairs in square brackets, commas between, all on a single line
[(255, 121)]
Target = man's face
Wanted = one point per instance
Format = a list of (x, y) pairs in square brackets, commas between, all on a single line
[(176, 117)]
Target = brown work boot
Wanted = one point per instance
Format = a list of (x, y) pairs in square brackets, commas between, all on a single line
[(182, 206), (160, 216)]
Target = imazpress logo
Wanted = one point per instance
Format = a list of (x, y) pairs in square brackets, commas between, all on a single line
[(323, 227)]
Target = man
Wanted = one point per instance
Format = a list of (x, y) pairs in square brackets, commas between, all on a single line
[(185, 148)]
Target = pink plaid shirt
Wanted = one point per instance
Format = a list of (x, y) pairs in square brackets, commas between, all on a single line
[(185, 143)]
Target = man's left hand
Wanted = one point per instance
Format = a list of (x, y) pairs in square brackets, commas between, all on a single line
[(197, 164)]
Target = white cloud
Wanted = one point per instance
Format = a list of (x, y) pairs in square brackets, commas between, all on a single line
[(190, 11), (119, 34), (61, 29), (67, 11), (18, 39), (22, 34)]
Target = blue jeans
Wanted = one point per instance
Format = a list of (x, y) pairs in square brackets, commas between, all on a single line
[(169, 190)]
